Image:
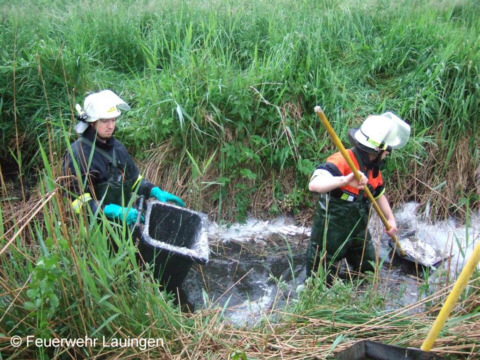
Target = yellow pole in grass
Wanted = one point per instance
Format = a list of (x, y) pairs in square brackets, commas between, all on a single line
[(318, 110), (452, 299)]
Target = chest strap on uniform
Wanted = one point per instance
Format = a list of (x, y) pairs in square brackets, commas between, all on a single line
[(102, 152)]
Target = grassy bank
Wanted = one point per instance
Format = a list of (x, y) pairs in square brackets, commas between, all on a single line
[(223, 92)]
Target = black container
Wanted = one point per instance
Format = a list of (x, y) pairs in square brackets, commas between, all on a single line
[(370, 350), (172, 239)]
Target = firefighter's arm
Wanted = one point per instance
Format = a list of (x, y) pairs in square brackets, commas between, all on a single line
[(384, 205), (323, 181)]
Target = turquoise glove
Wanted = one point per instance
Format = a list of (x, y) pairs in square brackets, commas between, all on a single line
[(165, 196), (117, 212)]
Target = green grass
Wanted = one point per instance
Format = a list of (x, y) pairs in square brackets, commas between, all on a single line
[(61, 280), (246, 75), (222, 96)]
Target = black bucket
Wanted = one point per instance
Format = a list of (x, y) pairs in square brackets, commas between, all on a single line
[(172, 239), (370, 350)]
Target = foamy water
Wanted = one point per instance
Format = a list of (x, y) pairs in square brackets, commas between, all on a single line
[(426, 242), (255, 229), (449, 237)]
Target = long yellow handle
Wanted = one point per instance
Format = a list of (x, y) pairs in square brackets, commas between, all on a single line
[(452, 299), (338, 143)]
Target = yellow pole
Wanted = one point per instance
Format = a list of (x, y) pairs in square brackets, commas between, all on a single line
[(452, 299), (318, 110)]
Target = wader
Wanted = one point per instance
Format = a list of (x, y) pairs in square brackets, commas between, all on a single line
[(340, 230)]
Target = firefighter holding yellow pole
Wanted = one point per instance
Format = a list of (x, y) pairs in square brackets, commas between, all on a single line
[(348, 182)]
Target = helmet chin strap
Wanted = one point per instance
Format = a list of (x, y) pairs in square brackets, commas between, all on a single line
[(378, 162), (374, 164), (378, 158)]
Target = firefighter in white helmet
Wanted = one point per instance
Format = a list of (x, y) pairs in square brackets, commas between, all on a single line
[(340, 225), (107, 175)]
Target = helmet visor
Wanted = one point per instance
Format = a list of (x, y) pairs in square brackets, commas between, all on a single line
[(399, 132)]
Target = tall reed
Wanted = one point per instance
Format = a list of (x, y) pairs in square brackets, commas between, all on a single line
[(243, 77)]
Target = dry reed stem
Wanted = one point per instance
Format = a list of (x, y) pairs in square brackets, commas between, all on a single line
[(297, 336), (29, 217), (285, 340), (457, 181)]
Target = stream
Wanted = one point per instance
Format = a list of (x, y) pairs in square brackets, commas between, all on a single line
[(256, 267)]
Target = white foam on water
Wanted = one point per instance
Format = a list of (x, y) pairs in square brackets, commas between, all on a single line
[(421, 251), (430, 242), (251, 310), (442, 238), (255, 229)]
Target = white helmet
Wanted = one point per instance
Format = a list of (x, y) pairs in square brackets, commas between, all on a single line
[(381, 132), (102, 105)]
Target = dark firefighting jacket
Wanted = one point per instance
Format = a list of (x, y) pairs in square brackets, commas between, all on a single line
[(102, 173)]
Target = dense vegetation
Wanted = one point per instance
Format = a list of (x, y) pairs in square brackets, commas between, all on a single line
[(223, 92), (222, 96)]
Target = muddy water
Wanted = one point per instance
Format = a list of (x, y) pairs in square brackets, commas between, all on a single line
[(255, 267)]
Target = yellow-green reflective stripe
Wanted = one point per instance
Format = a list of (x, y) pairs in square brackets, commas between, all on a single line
[(383, 192), (377, 144), (78, 203)]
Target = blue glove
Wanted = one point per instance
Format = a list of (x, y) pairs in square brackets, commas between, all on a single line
[(165, 196), (117, 212)]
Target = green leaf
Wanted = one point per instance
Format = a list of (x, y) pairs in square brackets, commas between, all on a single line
[(33, 293), (105, 323), (239, 356), (337, 341), (246, 173), (28, 305)]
